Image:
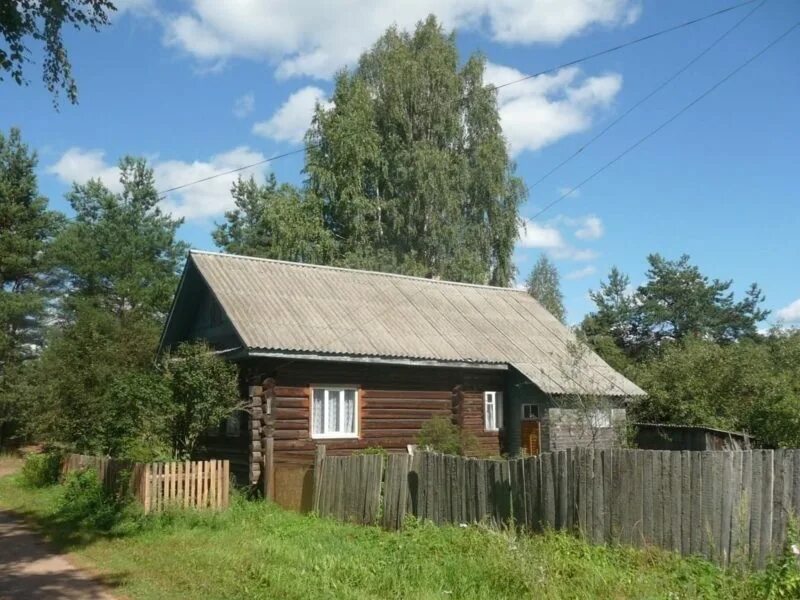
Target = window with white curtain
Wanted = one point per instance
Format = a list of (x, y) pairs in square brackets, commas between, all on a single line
[(493, 410), (334, 412)]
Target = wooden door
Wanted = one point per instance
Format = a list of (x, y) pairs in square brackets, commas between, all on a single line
[(530, 437)]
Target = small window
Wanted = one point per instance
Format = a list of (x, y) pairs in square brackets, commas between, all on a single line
[(334, 412), (530, 412), (600, 418), (233, 426), (493, 410)]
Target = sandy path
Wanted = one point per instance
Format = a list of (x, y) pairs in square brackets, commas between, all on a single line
[(29, 569)]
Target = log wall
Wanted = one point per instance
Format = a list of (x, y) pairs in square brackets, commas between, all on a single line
[(394, 402)]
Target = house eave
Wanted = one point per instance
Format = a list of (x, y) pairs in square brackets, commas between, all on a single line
[(347, 358)]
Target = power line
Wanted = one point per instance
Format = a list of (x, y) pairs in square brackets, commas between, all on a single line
[(490, 87), (668, 121), (657, 89)]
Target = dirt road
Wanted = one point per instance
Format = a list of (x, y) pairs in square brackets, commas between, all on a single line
[(30, 569)]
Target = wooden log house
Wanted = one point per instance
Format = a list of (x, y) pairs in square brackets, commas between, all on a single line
[(357, 359)]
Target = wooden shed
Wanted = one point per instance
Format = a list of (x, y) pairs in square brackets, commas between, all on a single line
[(663, 436), (358, 359)]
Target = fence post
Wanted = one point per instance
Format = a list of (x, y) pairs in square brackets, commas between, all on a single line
[(319, 458), (269, 468)]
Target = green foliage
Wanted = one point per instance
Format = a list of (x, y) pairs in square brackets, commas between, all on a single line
[(744, 386), (370, 450), (275, 221), (141, 416), (677, 302), (117, 267), (41, 470), (86, 503), (43, 22), (26, 228), (78, 378), (781, 580), (204, 392), (408, 170), (543, 284), (121, 253), (440, 434)]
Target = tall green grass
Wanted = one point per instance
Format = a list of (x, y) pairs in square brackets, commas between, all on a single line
[(255, 550)]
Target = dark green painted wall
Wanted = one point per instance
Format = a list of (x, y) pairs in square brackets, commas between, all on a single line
[(519, 391)]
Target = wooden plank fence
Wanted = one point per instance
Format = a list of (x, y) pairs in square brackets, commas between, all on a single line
[(730, 507), (349, 488), (158, 486)]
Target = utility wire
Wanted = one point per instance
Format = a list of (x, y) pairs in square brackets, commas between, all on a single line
[(657, 89), (489, 87), (668, 121)]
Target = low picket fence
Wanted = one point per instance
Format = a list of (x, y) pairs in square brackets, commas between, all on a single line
[(730, 507), (161, 485)]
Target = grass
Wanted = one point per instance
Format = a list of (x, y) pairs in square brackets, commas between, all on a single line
[(255, 550)]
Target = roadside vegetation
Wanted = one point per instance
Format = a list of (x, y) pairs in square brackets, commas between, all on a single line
[(257, 550)]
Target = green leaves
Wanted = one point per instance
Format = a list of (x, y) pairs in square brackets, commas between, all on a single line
[(121, 253), (407, 172), (543, 284), (43, 22), (677, 302), (204, 392), (273, 221)]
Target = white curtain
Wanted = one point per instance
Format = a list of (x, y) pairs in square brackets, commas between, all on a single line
[(332, 425), (318, 409), (349, 411)]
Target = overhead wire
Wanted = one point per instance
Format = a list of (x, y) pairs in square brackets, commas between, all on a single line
[(677, 114), (603, 52), (645, 98)]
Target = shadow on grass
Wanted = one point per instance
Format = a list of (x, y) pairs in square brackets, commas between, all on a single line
[(32, 568)]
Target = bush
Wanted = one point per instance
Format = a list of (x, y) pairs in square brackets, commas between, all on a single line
[(41, 470), (441, 435), (86, 502)]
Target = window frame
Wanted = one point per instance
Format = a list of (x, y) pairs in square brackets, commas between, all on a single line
[(497, 403), (522, 410), (600, 418), (338, 435)]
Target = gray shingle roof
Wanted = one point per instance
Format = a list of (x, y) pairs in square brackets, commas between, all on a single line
[(283, 306)]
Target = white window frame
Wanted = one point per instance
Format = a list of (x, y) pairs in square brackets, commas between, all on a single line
[(600, 418), (493, 401), (522, 410), (338, 435)]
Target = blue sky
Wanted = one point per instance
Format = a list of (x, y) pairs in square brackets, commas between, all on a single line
[(199, 90)]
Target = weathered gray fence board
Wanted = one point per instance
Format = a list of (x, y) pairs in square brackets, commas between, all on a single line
[(768, 473), (728, 506)]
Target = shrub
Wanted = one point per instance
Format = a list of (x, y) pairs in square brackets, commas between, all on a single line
[(86, 502), (41, 470), (782, 577), (441, 435)]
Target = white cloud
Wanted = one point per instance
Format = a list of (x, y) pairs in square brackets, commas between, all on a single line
[(790, 313), (540, 111), (586, 271), (549, 238), (533, 235), (244, 105), (290, 122), (198, 202), (590, 229), (305, 38), (79, 166)]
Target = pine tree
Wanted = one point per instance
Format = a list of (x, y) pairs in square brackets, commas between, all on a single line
[(26, 229)]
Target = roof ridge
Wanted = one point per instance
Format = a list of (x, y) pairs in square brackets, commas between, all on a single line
[(346, 270)]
